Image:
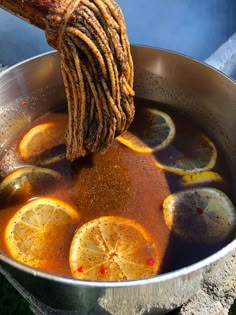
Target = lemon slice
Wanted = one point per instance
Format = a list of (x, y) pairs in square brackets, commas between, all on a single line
[(201, 178), (35, 234), (43, 137), (158, 130), (113, 248), (188, 154), (203, 215), (26, 182)]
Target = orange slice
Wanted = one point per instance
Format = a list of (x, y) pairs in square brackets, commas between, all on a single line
[(43, 137), (188, 154), (26, 182), (204, 215), (35, 234), (113, 248), (157, 132)]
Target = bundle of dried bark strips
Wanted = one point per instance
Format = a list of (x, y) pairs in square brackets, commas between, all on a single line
[(97, 69)]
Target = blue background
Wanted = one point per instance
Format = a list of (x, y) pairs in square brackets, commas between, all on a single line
[(192, 27)]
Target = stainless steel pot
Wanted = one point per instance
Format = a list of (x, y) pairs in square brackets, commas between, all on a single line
[(197, 90)]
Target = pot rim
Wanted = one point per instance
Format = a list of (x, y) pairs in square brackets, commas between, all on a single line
[(185, 271)]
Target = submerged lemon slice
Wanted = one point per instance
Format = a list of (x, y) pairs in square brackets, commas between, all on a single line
[(35, 234), (191, 154), (43, 137), (201, 178), (202, 215), (158, 130), (26, 182), (113, 248)]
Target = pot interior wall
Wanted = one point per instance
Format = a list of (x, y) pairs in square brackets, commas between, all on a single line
[(206, 96)]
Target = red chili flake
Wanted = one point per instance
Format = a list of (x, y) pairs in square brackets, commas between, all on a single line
[(199, 211), (72, 17), (150, 261), (80, 269), (102, 270), (23, 103)]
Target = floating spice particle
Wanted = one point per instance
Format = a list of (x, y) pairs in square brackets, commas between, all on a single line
[(23, 103), (102, 270), (199, 211), (150, 261), (80, 269)]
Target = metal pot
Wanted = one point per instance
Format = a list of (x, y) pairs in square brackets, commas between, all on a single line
[(200, 92)]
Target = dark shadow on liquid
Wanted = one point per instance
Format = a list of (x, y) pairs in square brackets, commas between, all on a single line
[(180, 253)]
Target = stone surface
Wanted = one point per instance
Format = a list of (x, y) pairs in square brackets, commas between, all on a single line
[(217, 292)]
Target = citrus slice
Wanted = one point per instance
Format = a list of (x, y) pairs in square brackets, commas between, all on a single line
[(188, 154), (26, 182), (113, 248), (157, 131), (203, 215), (201, 178), (43, 137), (35, 234)]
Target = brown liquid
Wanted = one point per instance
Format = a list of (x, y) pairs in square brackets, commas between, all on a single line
[(118, 182)]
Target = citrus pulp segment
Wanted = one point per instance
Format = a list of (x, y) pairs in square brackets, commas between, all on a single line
[(113, 248)]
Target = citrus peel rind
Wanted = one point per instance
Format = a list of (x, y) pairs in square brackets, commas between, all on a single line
[(201, 178)]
